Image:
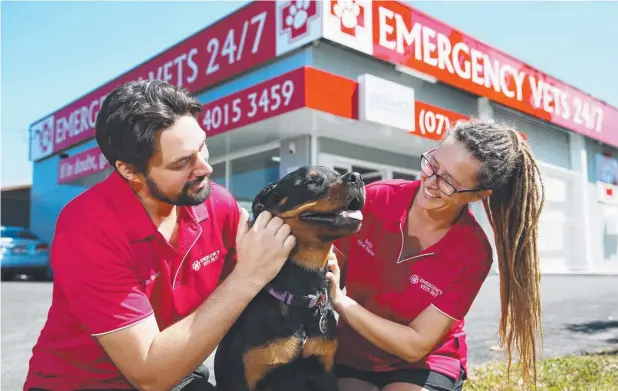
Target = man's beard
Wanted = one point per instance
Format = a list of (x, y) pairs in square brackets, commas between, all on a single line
[(184, 198)]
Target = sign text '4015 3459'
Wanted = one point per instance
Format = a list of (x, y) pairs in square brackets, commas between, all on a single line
[(273, 97)]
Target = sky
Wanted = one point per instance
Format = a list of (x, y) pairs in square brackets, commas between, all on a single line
[(54, 52)]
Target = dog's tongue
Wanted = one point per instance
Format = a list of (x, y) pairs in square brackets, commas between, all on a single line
[(352, 214)]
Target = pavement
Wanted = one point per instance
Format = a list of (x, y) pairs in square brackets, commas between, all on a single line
[(580, 313)]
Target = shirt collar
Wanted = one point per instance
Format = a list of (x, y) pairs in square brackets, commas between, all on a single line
[(404, 198), (137, 224)]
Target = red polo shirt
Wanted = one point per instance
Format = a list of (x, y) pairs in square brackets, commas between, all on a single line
[(113, 269), (447, 275)]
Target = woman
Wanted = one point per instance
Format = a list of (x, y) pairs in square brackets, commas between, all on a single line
[(420, 258)]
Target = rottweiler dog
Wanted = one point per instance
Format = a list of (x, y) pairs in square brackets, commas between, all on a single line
[(285, 339)]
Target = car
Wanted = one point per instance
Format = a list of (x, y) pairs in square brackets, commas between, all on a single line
[(22, 252)]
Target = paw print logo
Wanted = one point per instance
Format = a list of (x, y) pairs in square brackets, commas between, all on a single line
[(350, 14), (296, 17), (414, 279), (45, 137), (196, 265), (44, 131)]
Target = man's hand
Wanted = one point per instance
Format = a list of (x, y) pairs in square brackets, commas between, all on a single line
[(154, 360), (263, 248)]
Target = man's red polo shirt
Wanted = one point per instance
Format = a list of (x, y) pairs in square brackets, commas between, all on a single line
[(447, 275), (113, 269)]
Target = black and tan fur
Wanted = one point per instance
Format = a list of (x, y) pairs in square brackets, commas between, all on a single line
[(278, 347)]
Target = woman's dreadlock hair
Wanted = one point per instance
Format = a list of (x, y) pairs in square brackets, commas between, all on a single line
[(513, 209)]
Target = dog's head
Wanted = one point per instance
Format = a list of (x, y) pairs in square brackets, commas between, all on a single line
[(316, 202)]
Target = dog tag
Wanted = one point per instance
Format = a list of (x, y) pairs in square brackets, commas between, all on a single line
[(323, 310), (323, 324)]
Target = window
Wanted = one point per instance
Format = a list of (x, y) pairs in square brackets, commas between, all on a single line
[(248, 175), (368, 174), (403, 175), (218, 173)]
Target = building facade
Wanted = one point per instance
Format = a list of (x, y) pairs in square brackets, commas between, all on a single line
[(364, 86), (15, 206)]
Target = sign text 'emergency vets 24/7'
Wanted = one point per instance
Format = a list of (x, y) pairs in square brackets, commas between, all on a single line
[(395, 32), (405, 36), (82, 164), (273, 97), (249, 37)]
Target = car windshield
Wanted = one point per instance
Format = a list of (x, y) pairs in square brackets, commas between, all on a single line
[(16, 234)]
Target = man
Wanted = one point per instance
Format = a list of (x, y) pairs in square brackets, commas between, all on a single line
[(153, 265)]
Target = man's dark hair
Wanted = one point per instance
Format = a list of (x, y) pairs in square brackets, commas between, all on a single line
[(131, 115)]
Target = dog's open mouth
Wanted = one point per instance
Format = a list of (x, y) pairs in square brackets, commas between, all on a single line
[(351, 212)]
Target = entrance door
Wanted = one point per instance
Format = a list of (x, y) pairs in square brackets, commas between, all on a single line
[(369, 171)]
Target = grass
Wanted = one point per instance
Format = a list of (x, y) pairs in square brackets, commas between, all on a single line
[(587, 372)]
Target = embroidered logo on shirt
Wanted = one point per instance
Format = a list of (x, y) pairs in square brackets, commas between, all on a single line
[(205, 260), (152, 278), (367, 245), (426, 285)]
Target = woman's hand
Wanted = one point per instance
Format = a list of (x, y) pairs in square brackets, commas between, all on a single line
[(334, 276)]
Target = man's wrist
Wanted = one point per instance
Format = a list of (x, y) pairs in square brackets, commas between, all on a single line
[(249, 282)]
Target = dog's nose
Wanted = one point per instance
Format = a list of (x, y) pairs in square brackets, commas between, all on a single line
[(353, 177)]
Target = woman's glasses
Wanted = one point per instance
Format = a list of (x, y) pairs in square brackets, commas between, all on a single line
[(444, 185)]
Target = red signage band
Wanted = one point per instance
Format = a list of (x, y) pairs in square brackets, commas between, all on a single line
[(337, 95), (405, 36), (303, 87), (239, 42), (82, 164), (270, 98), (433, 122)]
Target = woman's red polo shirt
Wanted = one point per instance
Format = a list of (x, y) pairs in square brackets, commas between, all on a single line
[(447, 275), (113, 269)]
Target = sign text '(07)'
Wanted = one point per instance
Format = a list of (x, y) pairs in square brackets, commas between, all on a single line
[(430, 123), (433, 122), (249, 106)]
